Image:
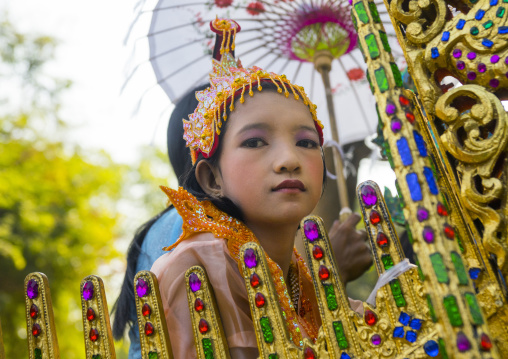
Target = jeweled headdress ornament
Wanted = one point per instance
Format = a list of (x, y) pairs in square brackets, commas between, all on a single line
[(229, 79)]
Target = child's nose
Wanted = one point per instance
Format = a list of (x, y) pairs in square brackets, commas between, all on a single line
[(286, 160)]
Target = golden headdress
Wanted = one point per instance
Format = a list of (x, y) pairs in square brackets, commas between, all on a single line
[(227, 80)]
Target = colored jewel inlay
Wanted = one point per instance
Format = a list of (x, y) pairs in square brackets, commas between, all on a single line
[(390, 108), (485, 342), (90, 314), (502, 30), (37, 353), (494, 83), (384, 41), (369, 196), (431, 181), (382, 240), (461, 65), (410, 117), (442, 347), (493, 2), (416, 324), (420, 143), (203, 326), (32, 289), (266, 329), (471, 75), (463, 344), (93, 335), (199, 305), (317, 252), (422, 214), (344, 355), (194, 282), (479, 14), (431, 348), (381, 79), (474, 31), (311, 230), (259, 299), (441, 209), (146, 310), (487, 43), (34, 311), (398, 332), (152, 355), (376, 339), (500, 12), (488, 24), (404, 151), (361, 12), (396, 289), (460, 24), (36, 330), (374, 217), (331, 300), (494, 59), (370, 317), (471, 55), (372, 47), (449, 232), (142, 288), (439, 267), (446, 36), (482, 67), (207, 348), (374, 13), (255, 280), (474, 308), (457, 53), (98, 356), (404, 318), (249, 258), (308, 353), (387, 261), (273, 356), (149, 329), (452, 309), (432, 312), (404, 101), (340, 335), (459, 268), (396, 74), (411, 336), (474, 273), (434, 52), (323, 273), (88, 290), (414, 187)]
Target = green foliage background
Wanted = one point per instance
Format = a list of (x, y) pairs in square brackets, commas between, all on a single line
[(59, 203)]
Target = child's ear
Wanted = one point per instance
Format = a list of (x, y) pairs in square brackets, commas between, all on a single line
[(209, 179)]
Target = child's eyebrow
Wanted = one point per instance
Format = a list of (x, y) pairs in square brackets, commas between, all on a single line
[(308, 128), (262, 126)]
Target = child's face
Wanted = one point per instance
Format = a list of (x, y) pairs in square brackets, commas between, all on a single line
[(270, 164)]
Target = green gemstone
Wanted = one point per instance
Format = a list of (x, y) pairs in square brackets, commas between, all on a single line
[(432, 312), (474, 31), (207, 348), (488, 24), (381, 79), (473, 1), (474, 308), (368, 76), (500, 11), (505, 1), (396, 74), (384, 40), (387, 261), (98, 356), (339, 335), (420, 273), (266, 328), (152, 355), (355, 23), (331, 300), (370, 40), (273, 356), (452, 310), (439, 267), (400, 301), (373, 12), (442, 349), (361, 12), (459, 268), (37, 353)]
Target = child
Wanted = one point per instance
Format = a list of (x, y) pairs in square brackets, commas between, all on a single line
[(258, 171)]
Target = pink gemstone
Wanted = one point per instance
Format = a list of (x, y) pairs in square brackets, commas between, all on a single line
[(396, 125), (390, 108), (494, 83), (88, 290), (142, 288), (249, 257), (194, 282), (482, 67), (369, 196), (461, 65), (471, 56), (422, 214), (494, 59), (471, 75), (32, 289), (428, 234), (457, 53), (311, 230), (376, 339), (463, 343)]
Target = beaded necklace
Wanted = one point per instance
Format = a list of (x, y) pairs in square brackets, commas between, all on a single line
[(205, 217)]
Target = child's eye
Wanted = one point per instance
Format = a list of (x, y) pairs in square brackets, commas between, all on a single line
[(253, 143), (307, 143)]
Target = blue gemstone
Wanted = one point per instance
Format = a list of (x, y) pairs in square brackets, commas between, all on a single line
[(446, 36), (398, 332), (416, 324), (431, 181), (434, 53), (487, 43), (411, 336), (431, 348), (493, 2), (404, 318), (479, 14), (502, 29), (474, 273), (404, 151), (420, 143), (460, 24), (414, 186), (344, 355)]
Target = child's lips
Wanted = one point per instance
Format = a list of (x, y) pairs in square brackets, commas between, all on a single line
[(290, 186)]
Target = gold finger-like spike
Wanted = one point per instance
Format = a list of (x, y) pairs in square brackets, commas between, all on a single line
[(271, 333), (40, 323), (153, 330), (209, 337), (96, 324)]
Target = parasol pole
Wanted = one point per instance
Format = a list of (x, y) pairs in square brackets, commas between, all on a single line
[(323, 64)]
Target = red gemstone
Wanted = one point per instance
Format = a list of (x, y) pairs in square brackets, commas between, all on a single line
[(441, 209), (370, 317), (485, 342), (308, 353), (323, 273), (36, 330), (259, 299), (254, 280), (375, 217), (410, 117), (199, 305), (146, 310), (203, 326), (382, 239), (94, 335), (317, 252), (449, 232), (403, 100), (34, 311), (149, 329), (90, 314)]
